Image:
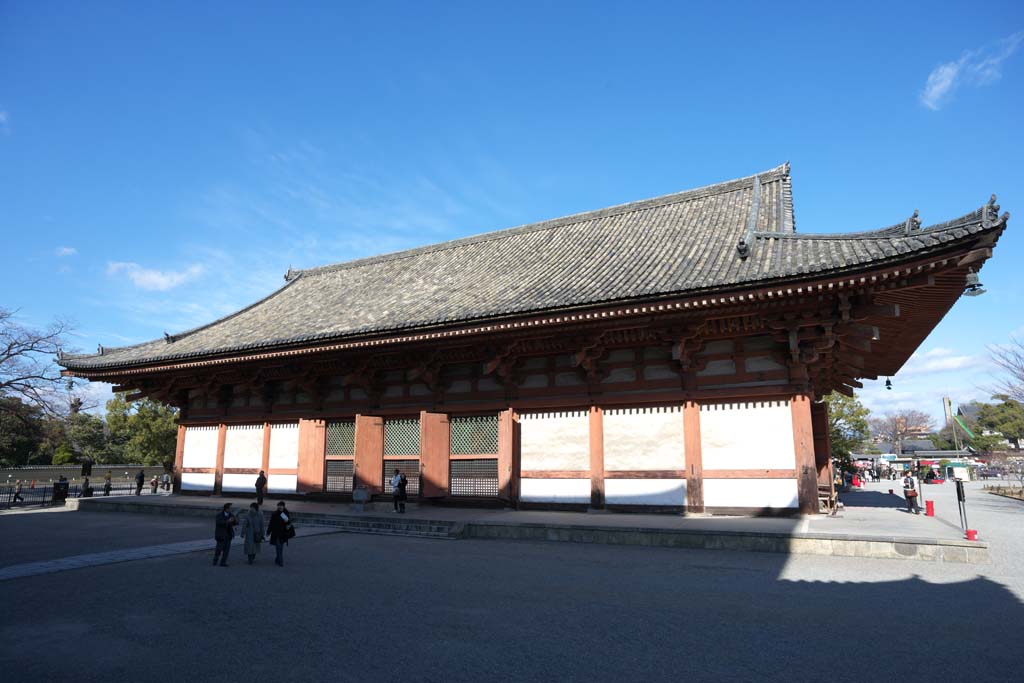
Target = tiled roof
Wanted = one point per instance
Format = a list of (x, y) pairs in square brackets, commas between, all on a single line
[(680, 243)]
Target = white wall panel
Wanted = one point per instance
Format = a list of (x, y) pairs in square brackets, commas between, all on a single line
[(197, 481), (243, 446), (747, 435), (284, 446), (554, 491), (239, 482), (282, 483), (200, 447), (750, 493), (644, 439), (645, 491), (556, 441)]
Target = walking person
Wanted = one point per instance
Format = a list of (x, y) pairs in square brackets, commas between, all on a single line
[(398, 485), (167, 481), (153, 483), (107, 483), (261, 486), (223, 532), (252, 531), (280, 530), (910, 493), (140, 478), (18, 498)]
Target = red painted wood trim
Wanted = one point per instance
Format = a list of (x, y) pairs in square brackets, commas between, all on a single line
[(339, 458), (597, 473), (750, 474), (369, 456), (222, 436), (508, 456), (645, 474), (199, 470), (555, 474), (179, 458), (312, 447), (473, 456), (265, 464), (803, 445), (694, 457), (435, 442)]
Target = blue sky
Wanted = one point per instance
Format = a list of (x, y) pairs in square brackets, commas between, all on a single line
[(162, 165)]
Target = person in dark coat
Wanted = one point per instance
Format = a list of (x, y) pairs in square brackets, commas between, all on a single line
[(223, 532), (261, 486), (252, 531), (398, 484), (280, 522), (107, 483), (139, 479)]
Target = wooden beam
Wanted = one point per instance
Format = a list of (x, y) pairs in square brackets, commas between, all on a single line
[(597, 475), (222, 436), (975, 256), (694, 460), (750, 474), (179, 458)]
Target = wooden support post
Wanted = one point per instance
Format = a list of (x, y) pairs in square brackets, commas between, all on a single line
[(312, 451), (694, 459), (822, 444), (222, 436), (265, 465), (369, 458), (803, 448), (508, 456), (179, 458), (596, 458), (435, 444)]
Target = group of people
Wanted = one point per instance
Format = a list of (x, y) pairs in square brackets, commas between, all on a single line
[(250, 528)]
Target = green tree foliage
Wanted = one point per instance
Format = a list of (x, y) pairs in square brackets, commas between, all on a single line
[(1005, 418), (847, 427), (86, 436), (21, 431), (64, 455), (141, 431)]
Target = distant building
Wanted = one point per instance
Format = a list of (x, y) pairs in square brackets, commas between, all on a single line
[(669, 354)]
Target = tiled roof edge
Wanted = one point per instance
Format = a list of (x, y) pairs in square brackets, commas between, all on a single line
[(897, 230), (781, 171)]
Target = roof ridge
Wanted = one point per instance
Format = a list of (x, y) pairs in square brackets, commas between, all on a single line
[(780, 171), (894, 230)]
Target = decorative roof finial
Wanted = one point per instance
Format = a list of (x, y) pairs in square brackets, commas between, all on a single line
[(60, 354), (169, 338), (913, 223), (742, 248), (290, 275), (99, 349), (990, 217)]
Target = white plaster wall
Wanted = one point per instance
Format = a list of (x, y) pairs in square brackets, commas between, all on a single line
[(556, 441), (554, 491), (284, 446), (281, 483), (748, 435), (755, 493), (645, 491), (644, 439), (200, 447), (197, 481), (243, 446), (239, 482)]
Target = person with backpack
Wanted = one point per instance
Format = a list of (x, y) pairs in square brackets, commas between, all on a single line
[(910, 493), (280, 530), (398, 485)]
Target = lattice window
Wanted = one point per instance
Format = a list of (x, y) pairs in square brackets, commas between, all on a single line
[(474, 435), (474, 477), (411, 470), (339, 476), (402, 437), (341, 438)]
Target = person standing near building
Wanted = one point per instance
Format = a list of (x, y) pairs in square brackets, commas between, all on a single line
[(223, 532), (18, 498), (140, 478), (153, 483), (167, 481), (261, 486), (107, 483), (280, 530), (398, 485), (910, 493), (252, 531)]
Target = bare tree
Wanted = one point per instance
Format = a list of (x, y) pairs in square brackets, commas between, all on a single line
[(896, 426), (27, 370), (1010, 359)]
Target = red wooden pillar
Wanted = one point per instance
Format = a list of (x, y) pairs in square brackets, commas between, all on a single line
[(803, 448), (369, 457), (179, 458), (508, 456), (694, 459), (218, 477), (596, 458), (822, 444), (435, 445), (312, 451), (265, 465)]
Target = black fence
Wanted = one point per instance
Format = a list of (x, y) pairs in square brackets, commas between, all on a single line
[(55, 494)]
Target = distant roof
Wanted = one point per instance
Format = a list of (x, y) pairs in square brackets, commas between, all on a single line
[(728, 236), (968, 410)]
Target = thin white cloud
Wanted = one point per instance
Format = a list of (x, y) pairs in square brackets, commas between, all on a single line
[(152, 279), (65, 251), (938, 351), (935, 363), (5, 122), (979, 67)]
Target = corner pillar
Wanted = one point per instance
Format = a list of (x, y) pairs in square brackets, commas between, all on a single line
[(694, 459), (803, 449), (179, 458), (218, 476), (596, 458), (508, 456)]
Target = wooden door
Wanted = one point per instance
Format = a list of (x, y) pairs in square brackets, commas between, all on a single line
[(435, 438), (369, 458)]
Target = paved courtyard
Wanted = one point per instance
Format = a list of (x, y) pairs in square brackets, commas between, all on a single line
[(349, 607)]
